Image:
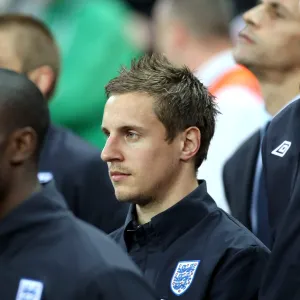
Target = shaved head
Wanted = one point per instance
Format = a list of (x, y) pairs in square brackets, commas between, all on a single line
[(202, 17)]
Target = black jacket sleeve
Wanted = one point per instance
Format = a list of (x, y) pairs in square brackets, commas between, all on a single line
[(239, 275), (116, 284), (120, 284)]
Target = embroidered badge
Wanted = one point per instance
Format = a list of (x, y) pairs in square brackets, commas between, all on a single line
[(183, 276)]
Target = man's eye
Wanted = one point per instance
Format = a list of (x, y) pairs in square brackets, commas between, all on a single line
[(279, 15), (132, 135)]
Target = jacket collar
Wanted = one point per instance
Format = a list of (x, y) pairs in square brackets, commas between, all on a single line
[(173, 222)]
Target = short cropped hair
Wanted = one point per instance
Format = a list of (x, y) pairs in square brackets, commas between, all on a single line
[(204, 17), (23, 105), (35, 44), (180, 99)]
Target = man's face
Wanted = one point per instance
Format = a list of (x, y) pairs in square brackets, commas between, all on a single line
[(5, 158), (17, 148), (271, 39), (141, 162), (8, 52)]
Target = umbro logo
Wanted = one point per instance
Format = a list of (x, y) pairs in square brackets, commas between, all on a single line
[(282, 149)]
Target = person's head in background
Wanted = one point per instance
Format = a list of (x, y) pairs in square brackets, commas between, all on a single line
[(270, 47), (159, 121), (24, 120), (27, 46), (190, 32)]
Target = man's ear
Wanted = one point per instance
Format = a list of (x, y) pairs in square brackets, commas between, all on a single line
[(22, 145), (44, 78), (191, 141)]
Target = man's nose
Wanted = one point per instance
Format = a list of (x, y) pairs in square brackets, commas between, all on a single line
[(111, 150)]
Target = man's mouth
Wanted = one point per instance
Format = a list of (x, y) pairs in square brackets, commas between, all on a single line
[(118, 176)]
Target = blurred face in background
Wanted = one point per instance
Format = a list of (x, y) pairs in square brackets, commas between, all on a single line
[(271, 38)]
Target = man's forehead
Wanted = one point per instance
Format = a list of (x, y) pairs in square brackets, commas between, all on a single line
[(133, 108), (289, 6), (286, 3), (278, 1), (135, 101)]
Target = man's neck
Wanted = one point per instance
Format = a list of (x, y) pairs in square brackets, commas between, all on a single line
[(176, 191), (199, 53), (278, 89), (20, 191)]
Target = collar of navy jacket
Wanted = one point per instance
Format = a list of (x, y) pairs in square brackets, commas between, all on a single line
[(41, 207), (172, 223)]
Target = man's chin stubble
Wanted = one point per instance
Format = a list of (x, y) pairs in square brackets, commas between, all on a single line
[(140, 201)]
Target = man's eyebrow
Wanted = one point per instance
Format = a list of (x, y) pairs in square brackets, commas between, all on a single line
[(125, 128), (279, 5), (132, 127), (275, 5)]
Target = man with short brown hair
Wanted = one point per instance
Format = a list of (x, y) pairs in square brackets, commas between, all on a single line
[(159, 121)]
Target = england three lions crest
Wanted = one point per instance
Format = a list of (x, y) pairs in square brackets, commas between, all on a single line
[(183, 276)]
